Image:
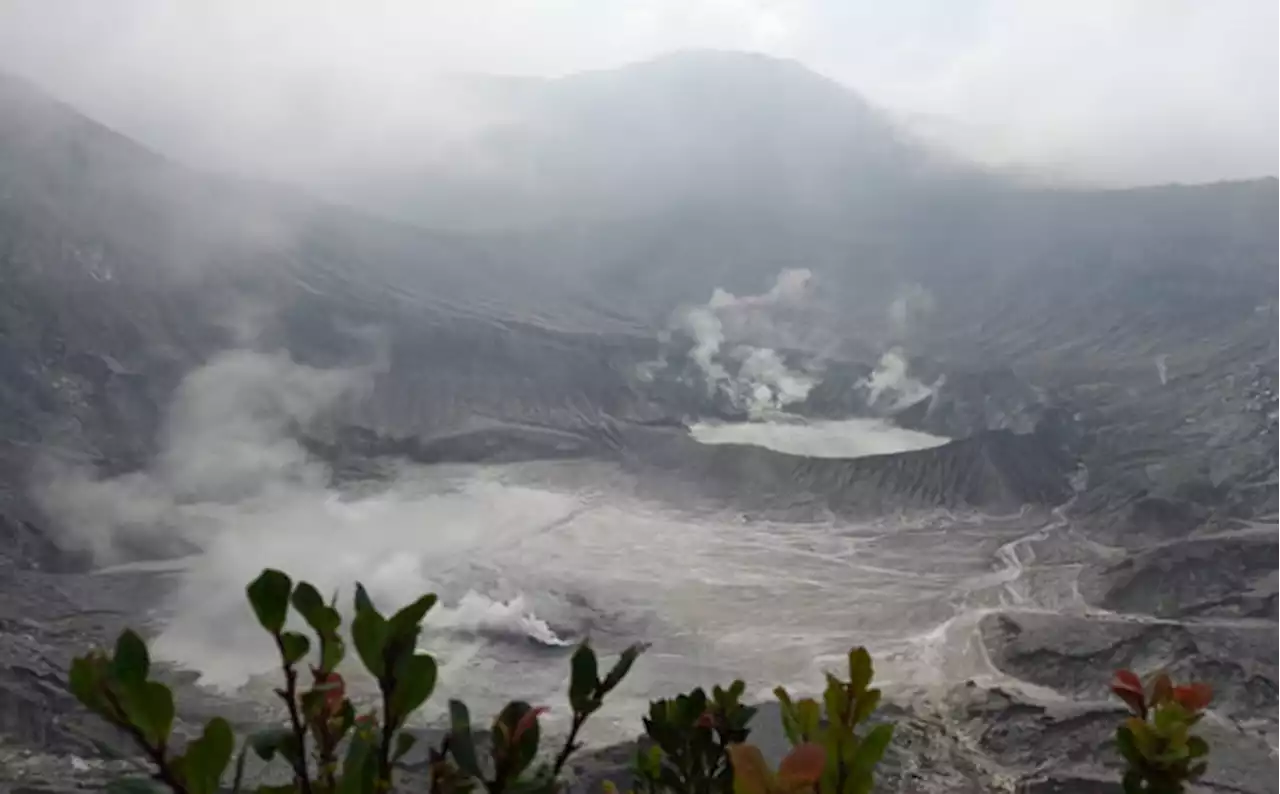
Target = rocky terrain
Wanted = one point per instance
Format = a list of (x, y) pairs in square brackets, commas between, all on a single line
[(1107, 359)]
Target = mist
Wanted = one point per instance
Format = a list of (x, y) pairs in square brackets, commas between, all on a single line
[(326, 96), (525, 559)]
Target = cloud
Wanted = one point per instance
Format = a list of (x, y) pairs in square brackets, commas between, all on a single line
[(1141, 91)]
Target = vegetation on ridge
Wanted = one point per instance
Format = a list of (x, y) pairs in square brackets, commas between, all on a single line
[(696, 743)]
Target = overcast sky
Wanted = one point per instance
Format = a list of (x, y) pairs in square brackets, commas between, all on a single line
[(1120, 91)]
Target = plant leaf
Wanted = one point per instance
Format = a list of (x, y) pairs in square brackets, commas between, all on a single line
[(293, 647), (410, 617), (306, 599), (266, 744), (404, 743), (871, 749), (621, 667), (206, 758), (131, 662), (860, 670), (1128, 687), (269, 597), (362, 601), (369, 632), (86, 682), (751, 774), (415, 681), (866, 705), (150, 706), (808, 717), (1161, 688), (1197, 747), (583, 678), (1193, 697), (802, 767), (461, 743)]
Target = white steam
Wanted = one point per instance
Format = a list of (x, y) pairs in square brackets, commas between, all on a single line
[(234, 490), (890, 387), (751, 377), (912, 304), (225, 441)]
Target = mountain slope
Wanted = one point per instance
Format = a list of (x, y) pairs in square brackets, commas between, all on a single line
[(698, 129)]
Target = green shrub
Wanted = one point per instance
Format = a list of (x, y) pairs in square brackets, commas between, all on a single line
[(1161, 753), (691, 734), (697, 744), (323, 723)]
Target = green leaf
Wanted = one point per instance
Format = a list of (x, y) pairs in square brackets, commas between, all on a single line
[(415, 681), (359, 767), (583, 679), (1142, 737), (306, 599), (836, 700), (206, 758), (332, 652), (1132, 782), (149, 705), (404, 743), (871, 749), (269, 597), (131, 662), (1197, 747), (363, 602), (866, 705), (790, 720), (621, 667), (410, 617), (860, 670), (369, 632), (808, 718), (1127, 746), (293, 647), (266, 744), (86, 682), (461, 743)]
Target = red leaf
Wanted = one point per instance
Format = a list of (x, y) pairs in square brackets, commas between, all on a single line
[(1128, 687), (1161, 689), (334, 689), (526, 722), (804, 764), (705, 720), (1193, 697)]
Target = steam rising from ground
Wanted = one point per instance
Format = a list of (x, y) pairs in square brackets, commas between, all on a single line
[(890, 387), (233, 486), (525, 558), (753, 378)]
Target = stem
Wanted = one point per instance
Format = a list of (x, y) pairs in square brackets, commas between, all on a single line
[(158, 755), (387, 685), (290, 696), (570, 744)]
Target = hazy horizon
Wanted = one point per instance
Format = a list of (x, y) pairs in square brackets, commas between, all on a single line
[(1092, 93)]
